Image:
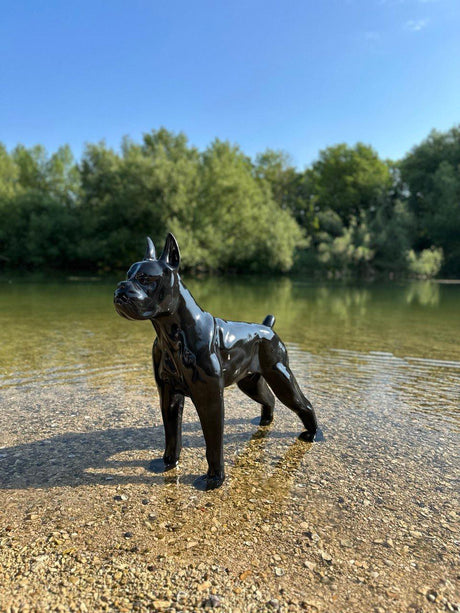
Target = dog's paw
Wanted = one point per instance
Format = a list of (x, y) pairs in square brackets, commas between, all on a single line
[(307, 436), (170, 462), (161, 465), (265, 421), (266, 416), (207, 483)]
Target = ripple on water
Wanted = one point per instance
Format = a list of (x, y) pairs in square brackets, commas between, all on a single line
[(409, 385), (69, 374)]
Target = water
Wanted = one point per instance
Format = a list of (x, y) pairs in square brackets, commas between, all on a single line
[(384, 339), (372, 507)]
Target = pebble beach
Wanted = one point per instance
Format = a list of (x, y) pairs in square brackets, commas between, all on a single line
[(363, 519)]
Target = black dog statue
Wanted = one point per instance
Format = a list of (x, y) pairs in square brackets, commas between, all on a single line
[(197, 355)]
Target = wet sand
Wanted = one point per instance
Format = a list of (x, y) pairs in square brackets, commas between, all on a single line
[(363, 520)]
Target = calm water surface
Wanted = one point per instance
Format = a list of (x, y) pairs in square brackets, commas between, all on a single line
[(405, 336)]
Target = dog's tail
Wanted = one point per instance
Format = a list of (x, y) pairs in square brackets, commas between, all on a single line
[(269, 321)]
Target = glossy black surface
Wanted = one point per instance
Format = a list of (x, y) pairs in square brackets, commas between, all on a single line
[(198, 355)]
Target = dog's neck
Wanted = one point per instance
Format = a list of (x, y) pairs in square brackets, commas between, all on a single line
[(188, 317)]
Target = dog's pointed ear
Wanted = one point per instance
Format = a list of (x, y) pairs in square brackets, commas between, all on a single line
[(150, 251), (171, 253)]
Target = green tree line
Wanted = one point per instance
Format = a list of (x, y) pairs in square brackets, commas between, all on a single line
[(349, 213)]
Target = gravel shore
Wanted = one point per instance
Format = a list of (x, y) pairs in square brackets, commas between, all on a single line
[(364, 519)]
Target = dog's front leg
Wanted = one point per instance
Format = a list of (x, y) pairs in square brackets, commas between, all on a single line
[(172, 406), (209, 402)]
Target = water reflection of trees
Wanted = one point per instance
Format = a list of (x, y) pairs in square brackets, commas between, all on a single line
[(75, 325), (306, 313), (236, 299), (424, 293), (343, 302)]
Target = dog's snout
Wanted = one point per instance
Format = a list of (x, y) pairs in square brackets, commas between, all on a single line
[(121, 298), (125, 290), (124, 287)]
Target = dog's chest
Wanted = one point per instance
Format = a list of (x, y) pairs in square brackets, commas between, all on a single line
[(168, 371), (178, 362)]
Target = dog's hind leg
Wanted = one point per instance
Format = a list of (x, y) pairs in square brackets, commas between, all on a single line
[(256, 388), (280, 378)]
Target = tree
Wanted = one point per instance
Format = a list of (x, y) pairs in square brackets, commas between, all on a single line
[(175, 177), (349, 213), (240, 225), (431, 172), (392, 229), (348, 180), (37, 231), (349, 251), (9, 175)]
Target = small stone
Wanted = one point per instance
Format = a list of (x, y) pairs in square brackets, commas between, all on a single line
[(388, 562), (326, 556), (145, 501), (245, 574), (212, 602), (32, 516), (120, 497), (346, 543), (128, 535), (279, 572), (161, 604), (303, 526), (309, 565), (431, 595), (204, 586), (389, 542), (273, 603)]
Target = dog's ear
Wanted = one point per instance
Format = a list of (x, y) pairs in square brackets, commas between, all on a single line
[(171, 253), (150, 251)]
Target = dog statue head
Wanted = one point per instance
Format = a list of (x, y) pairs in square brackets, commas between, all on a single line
[(151, 288)]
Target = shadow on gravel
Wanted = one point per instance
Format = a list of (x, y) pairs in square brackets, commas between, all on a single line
[(69, 459)]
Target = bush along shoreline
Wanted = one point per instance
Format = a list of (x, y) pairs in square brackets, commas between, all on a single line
[(350, 214)]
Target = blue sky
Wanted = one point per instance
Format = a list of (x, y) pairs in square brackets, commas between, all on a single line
[(292, 75)]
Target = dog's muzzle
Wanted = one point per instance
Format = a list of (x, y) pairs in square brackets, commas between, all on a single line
[(125, 298)]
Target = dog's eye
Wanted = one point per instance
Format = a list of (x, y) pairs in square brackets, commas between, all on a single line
[(144, 279)]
